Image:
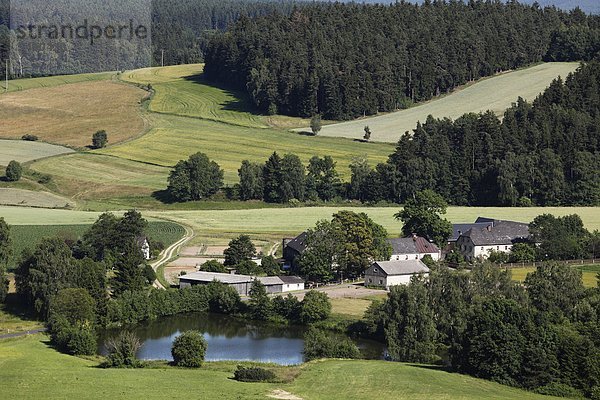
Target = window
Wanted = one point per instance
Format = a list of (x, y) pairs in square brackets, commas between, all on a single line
[(370, 280), (407, 257), (417, 257), (380, 282), (498, 248), (482, 248), (397, 257), (505, 247), (374, 269)]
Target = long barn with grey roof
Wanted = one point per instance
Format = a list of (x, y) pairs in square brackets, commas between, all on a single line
[(243, 283)]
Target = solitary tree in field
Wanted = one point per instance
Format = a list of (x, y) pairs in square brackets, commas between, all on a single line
[(100, 139), (367, 136), (315, 124), (14, 171)]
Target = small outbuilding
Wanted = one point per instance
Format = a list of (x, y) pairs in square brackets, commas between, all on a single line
[(390, 273)]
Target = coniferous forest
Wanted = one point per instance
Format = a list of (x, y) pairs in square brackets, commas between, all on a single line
[(348, 60)]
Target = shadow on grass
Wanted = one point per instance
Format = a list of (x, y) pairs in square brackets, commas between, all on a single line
[(163, 196), (15, 306)]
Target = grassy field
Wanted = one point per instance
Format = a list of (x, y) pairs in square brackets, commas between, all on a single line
[(70, 114), (589, 273), (88, 175), (30, 198), (52, 81), (496, 94), (352, 307), (23, 151), (180, 90), (174, 138), (276, 223), (30, 369)]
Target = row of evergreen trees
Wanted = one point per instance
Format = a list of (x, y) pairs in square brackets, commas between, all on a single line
[(349, 60)]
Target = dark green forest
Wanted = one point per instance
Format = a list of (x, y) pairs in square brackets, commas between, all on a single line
[(349, 60), (545, 153)]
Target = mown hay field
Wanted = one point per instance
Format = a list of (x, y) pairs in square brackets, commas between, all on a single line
[(52, 81), (181, 90), (23, 151), (71, 114), (496, 94), (32, 198), (174, 138), (31, 369), (88, 175)]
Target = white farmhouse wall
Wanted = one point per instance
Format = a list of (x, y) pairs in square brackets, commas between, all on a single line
[(292, 286), (484, 251), (417, 256)]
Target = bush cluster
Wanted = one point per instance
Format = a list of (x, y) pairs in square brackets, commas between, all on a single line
[(122, 351), (253, 374), (189, 349), (320, 344)]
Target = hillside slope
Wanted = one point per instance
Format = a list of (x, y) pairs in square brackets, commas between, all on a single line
[(496, 94)]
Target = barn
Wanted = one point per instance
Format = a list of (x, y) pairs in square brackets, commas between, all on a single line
[(243, 283), (389, 273)]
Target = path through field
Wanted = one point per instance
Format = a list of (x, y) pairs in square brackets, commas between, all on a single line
[(495, 93), (169, 253)]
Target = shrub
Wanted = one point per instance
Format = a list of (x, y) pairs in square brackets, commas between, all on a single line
[(559, 390), (14, 171), (82, 341), (213, 266), (149, 274), (30, 138), (319, 344), (223, 299), (287, 307), (122, 351), (189, 349), (99, 139), (315, 307), (253, 374)]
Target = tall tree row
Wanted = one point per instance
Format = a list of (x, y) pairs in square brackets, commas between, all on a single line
[(348, 60)]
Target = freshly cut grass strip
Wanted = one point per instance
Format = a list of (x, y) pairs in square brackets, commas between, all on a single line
[(23, 151), (18, 85)]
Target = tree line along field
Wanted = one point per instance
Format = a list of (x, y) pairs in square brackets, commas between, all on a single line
[(32, 369), (496, 94), (28, 236)]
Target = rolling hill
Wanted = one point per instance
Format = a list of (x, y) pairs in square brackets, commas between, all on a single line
[(496, 93)]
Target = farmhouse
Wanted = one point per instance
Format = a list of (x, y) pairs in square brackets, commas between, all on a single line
[(496, 235), (293, 248), (243, 283), (391, 273), (413, 248)]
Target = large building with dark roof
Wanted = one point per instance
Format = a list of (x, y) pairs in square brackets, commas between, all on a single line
[(495, 235), (293, 248), (413, 248)]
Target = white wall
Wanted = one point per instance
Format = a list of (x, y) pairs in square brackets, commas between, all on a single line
[(417, 256), (293, 286)]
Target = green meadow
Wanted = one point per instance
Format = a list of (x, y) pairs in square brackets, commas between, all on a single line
[(496, 93), (31, 369), (52, 81)]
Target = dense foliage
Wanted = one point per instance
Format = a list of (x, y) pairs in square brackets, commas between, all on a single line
[(350, 242), (122, 351), (542, 335), (349, 60), (189, 349), (545, 153), (5, 253), (14, 171), (253, 374), (421, 216), (195, 178), (321, 344)]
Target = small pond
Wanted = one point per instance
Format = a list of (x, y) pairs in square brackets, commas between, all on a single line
[(229, 338)]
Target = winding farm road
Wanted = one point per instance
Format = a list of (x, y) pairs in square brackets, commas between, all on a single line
[(170, 252)]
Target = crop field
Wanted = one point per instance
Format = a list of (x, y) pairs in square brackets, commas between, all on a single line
[(180, 90), (31, 369), (71, 114), (89, 175), (588, 272), (495, 94), (174, 138), (28, 236), (30, 198), (273, 224), (23, 151), (52, 81)]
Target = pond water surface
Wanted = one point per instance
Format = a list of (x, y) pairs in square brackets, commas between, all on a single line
[(229, 338)]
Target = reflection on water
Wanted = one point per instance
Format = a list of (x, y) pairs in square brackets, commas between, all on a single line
[(228, 338)]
